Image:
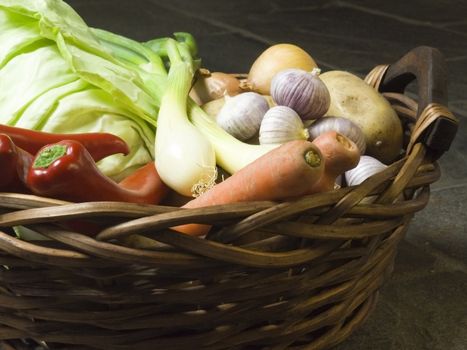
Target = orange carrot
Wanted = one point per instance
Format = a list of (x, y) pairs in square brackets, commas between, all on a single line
[(147, 183), (285, 172), (340, 154)]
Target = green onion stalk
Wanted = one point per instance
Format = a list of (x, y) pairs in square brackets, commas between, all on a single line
[(185, 159)]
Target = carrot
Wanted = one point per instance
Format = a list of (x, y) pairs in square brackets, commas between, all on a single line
[(285, 172), (147, 182), (340, 154)]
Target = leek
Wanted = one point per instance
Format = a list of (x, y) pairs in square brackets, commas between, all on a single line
[(185, 159)]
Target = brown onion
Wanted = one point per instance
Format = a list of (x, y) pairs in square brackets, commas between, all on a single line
[(214, 86), (275, 59)]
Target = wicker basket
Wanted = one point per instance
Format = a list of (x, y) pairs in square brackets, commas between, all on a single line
[(302, 274)]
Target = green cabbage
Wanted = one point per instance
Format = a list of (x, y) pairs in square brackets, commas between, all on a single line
[(59, 75)]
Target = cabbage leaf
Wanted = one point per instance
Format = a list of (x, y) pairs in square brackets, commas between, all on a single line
[(59, 75)]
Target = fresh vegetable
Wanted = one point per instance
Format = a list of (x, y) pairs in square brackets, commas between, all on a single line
[(231, 153), (339, 153), (353, 99), (185, 159), (286, 172), (213, 86), (65, 170), (99, 145), (213, 107), (57, 75), (366, 167), (241, 115), (14, 165), (147, 182), (275, 59), (343, 126), (281, 124), (302, 91)]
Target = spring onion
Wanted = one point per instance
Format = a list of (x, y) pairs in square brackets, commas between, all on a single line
[(185, 159)]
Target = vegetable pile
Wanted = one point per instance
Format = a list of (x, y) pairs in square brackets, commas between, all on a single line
[(88, 115)]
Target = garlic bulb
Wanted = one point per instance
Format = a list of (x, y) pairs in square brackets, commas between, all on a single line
[(366, 167), (281, 124), (341, 125), (302, 91), (242, 114)]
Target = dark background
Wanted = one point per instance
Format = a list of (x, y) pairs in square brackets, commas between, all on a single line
[(424, 304)]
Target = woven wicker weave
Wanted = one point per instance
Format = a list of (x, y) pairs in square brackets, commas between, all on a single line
[(302, 274)]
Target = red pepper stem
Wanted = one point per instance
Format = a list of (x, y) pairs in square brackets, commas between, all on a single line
[(49, 155)]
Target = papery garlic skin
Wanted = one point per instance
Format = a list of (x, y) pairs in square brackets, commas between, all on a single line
[(281, 124), (302, 91), (341, 125), (366, 167), (242, 114)]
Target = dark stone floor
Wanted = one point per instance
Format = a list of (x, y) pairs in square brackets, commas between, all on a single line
[(424, 305)]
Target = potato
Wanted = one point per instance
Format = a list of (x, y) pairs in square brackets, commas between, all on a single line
[(354, 99)]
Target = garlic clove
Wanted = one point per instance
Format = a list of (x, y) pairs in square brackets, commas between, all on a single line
[(366, 167), (242, 114), (343, 126), (281, 124), (302, 91)]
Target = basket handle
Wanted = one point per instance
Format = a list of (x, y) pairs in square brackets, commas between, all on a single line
[(436, 126)]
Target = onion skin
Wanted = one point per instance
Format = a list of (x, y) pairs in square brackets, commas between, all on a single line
[(275, 59), (214, 86)]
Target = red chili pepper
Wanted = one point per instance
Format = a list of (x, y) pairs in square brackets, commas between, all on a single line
[(99, 145), (66, 170), (14, 165)]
